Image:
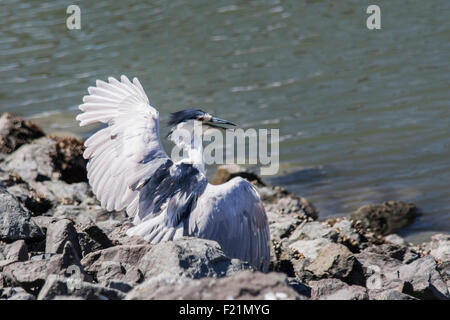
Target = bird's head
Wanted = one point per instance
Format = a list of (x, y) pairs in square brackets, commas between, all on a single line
[(202, 117)]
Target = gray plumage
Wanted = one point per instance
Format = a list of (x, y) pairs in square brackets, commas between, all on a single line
[(129, 169)]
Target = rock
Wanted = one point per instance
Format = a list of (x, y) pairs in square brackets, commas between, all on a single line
[(309, 248), (385, 218), (424, 280), (243, 285), (189, 257), (15, 131), (15, 221), (58, 286), (58, 234), (334, 289), (33, 162), (32, 200), (63, 194), (119, 285), (313, 230), (68, 159), (281, 258), (49, 158), (43, 222), (439, 247), (118, 263), (281, 225), (16, 251), (32, 274), (92, 238), (395, 239), (402, 253), (227, 172), (347, 234), (281, 201), (302, 289), (112, 271), (335, 260), (392, 295), (15, 293)]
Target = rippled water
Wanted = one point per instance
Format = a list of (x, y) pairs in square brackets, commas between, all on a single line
[(363, 115)]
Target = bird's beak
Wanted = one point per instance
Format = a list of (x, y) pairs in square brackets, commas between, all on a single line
[(221, 121)]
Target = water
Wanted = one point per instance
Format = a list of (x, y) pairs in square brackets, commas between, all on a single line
[(363, 115)]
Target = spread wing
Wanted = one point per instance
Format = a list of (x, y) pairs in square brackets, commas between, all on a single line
[(125, 154), (233, 215)]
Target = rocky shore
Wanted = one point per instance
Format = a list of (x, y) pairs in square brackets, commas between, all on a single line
[(56, 242)]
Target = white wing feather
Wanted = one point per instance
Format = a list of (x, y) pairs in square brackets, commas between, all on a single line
[(124, 154)]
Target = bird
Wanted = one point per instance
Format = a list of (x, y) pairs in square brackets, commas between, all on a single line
[(129, 170)]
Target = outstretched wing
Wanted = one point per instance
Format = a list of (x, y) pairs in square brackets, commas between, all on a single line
[(128, 151), (233, 215)]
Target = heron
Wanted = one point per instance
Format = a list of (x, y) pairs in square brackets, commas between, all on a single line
[(129, 170)]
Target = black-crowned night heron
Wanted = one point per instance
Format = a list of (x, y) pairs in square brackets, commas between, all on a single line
[(129, 169)]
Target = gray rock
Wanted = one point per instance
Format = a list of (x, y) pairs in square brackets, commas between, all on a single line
[(389, 295), (16, 251), (58, 286), (15, 293), (334, 289), (60, 192), (32, 274), (15, 221), (119, 285), (395, 239), (91, 238), (118, 263), (189, 257), (347, 234), (424, 280), (281, 225), (401, 253), (33, 162), (335, 260), (58, 234), (15, 131), (279, 200), (385, 218), (244, 285), (313, 230), (309, 248), (439, 247)]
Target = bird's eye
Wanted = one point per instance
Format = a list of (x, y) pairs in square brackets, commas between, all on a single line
[(201, 118)]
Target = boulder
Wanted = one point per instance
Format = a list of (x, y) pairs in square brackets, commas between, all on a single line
[(424, 280), (189, 257), (91, 238), (118, 263), (335, 289), (439, 247), (16, 251), (385, 218), (15, 221), (243, 285), (15, 293), (58, 286), (309, 248), (15, 131), (32, 274), (336, 261), (58, 234)]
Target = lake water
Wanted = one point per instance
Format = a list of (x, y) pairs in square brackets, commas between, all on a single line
[(363, 115)]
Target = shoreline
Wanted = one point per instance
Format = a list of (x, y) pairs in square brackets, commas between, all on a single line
[(52, 221)]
